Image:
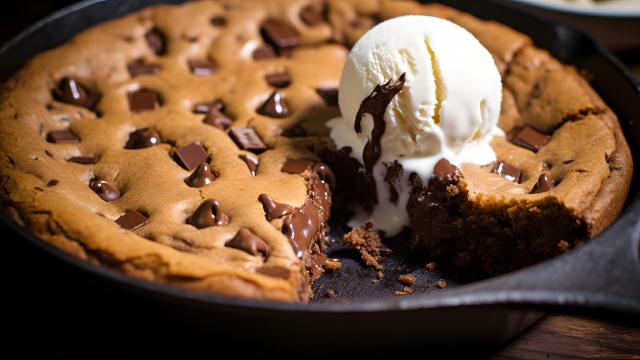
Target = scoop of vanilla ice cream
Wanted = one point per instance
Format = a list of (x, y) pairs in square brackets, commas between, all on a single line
[(448, 108)]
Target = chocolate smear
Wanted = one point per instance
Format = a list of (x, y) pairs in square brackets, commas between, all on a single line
[(392, 178), (374, 106), (201, 176), (208, 214), (274, 209), (249, 242)]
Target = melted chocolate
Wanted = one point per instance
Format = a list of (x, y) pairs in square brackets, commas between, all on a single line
[(375, 105), (274, 209)]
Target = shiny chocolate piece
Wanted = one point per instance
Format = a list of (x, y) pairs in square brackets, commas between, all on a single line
[(544, 184), (311, 16), (72, 92), (84, 160), (530, 138), (143, 100), (296, 166), (279, 80), (508, 171), (202, 67), (218, 21), (208, 214), (375, 106), (275, 271), (274, 209), (329, 95), (251, 161), (201, 176), (217, 118), (247, 139), (275, 106), (143, 138), (445, 171), (249, 242), (132, 220), (156, 41), (105, 191), (62, 137), (280, 35), (191, 156), (140, 67), (263, 52)]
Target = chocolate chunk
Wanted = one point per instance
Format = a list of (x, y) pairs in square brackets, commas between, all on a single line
[(311, 16), (72, 92), (275, 271), (205, 107), (201, 176), (279, 80), (218, 21), (62, 137), (143, 100), (543, 184), (52, 182), (375, 106), (444, 170), (84, 160), (329, 95), (157, 41), (105, 191), (132, 220), (249, 242), (275, 106), (247, 139), (296, 166), (508, 171), (280, 35), (274, 209), (139, 67), (143, 138), (325, 173), (208, 214), (191, 155), (251, 161), (217, 119), (202, 67), (263, 52), (530, 138)]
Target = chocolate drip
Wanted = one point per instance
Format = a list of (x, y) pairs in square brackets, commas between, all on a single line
[(208, 214), (274, 209), (375, 105), (306, 222)]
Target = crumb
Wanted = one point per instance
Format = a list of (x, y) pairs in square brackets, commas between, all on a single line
[(332, 264), (405, 291), (330, 293), (367, 241), (430, 266), (563, 246), (442, 284), (407, 279), (380, 274)]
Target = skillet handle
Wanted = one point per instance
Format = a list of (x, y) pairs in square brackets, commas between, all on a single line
[(604, 272)]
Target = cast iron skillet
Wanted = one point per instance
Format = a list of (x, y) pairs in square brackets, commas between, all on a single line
[(604, 273)]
